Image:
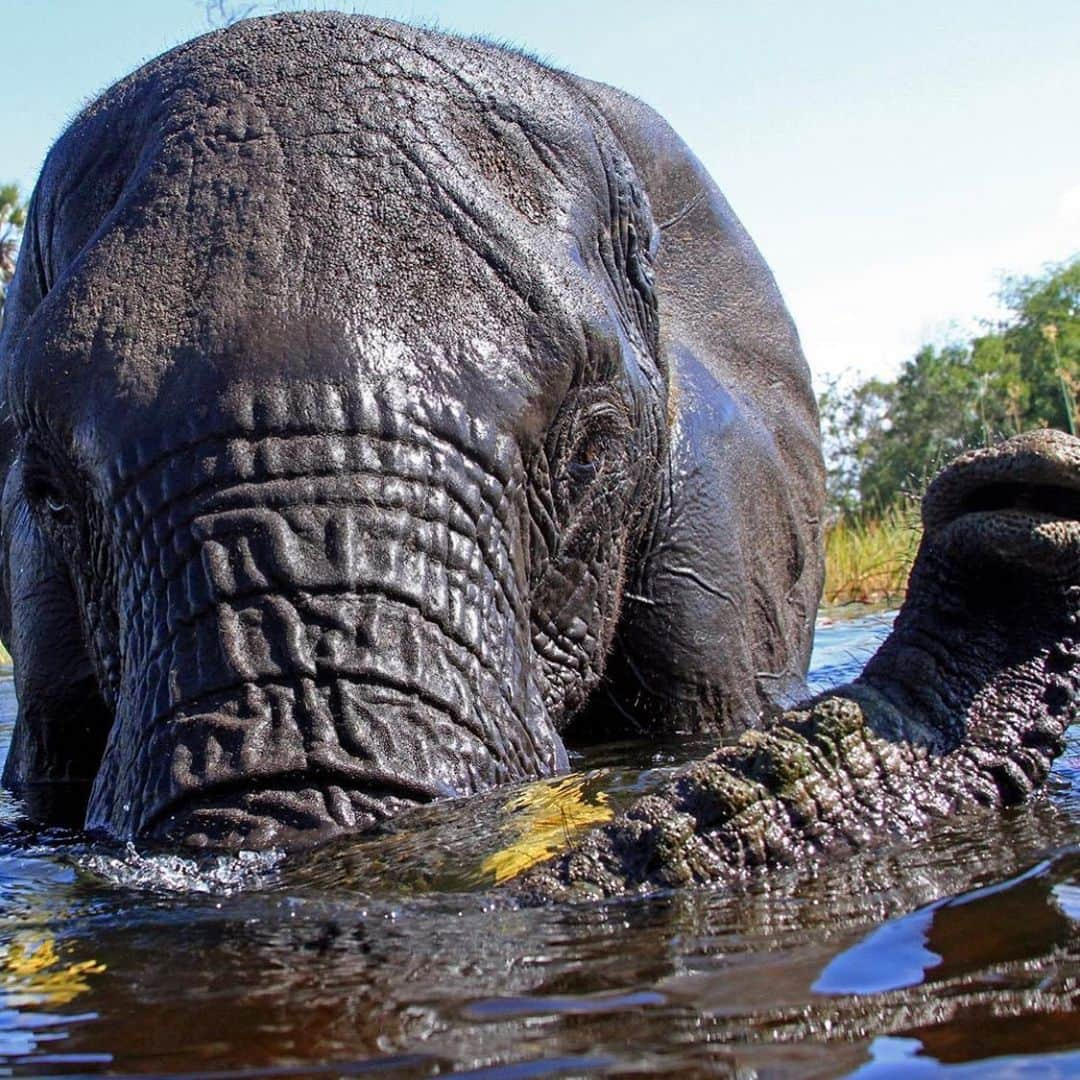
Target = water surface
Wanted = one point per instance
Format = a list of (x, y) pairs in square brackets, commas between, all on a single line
[(394, 955)]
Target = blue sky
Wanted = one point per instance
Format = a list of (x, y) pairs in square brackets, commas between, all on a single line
[(891, 160)]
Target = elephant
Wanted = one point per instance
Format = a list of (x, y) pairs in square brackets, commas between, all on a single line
[(381, 407), (383, 410), (962, 709)]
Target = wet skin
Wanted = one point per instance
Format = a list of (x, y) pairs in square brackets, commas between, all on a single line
[(378, 407), (962, 709), (380, 410)]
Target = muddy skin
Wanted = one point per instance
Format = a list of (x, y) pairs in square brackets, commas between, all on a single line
[(378, 409), (963, 708)]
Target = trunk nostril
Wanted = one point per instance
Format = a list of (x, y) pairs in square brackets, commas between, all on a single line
[(1033, 476), (1037, 498)]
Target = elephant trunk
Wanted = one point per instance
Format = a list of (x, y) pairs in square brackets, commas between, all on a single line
[(315, 632), (964, 706)]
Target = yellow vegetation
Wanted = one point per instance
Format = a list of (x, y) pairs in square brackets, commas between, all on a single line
[(868, 561), (546, 817)]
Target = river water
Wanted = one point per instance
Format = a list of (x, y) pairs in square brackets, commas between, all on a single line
[(395, 956)]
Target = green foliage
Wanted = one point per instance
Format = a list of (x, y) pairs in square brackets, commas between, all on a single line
[(883, 439), (12, 220), (1045, 336)]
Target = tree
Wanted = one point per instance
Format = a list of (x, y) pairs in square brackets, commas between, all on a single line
[(944, 401), (1045, 335), (12, 220), (884, 439), (853, 422)]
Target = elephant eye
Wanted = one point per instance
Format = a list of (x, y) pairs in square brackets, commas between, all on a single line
[(43, 491), (588, 446), (592, 455), (589, 453), (582, 472), (44, 494)]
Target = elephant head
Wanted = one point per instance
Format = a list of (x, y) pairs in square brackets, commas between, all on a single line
[(341, 421)]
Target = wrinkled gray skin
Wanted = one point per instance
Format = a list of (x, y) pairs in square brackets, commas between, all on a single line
[(964, 707), (379, 406)]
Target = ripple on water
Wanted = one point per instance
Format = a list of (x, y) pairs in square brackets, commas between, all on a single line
[(1026, 916), (388, 954)]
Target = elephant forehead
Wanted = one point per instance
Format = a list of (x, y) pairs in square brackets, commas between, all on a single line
[(300, 196)]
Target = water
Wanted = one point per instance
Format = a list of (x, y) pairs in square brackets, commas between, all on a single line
[(393, 955)]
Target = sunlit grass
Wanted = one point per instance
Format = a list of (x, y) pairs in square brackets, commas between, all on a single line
[(868, 561)]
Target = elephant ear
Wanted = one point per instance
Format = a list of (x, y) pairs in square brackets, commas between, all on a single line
[(719, 619), (8, 435), (59, 732)]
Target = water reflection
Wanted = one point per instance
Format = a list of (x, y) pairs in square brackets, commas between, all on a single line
[(1015, 919), (392, 954)]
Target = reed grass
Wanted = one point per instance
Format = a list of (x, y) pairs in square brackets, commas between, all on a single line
[(867, 561)]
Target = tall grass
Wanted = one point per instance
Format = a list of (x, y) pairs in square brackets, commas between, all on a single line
[(868, 561)]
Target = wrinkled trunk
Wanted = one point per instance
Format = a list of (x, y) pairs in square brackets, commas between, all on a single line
[(315, 632), (965, 705)]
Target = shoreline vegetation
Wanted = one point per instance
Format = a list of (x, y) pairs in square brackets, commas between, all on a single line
[(867, 560), (884, 439)]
